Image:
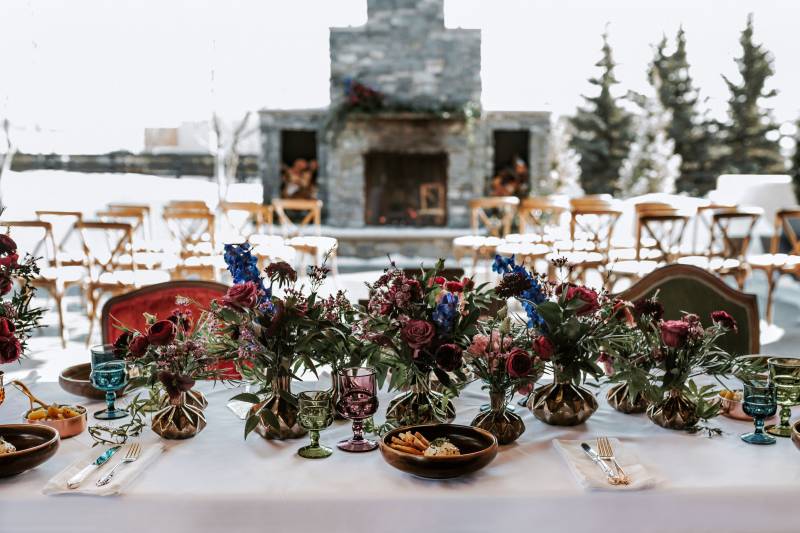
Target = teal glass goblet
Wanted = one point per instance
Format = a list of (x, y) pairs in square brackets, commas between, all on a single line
[(784, 373), (316, 413), (110, 377), (760, 402)]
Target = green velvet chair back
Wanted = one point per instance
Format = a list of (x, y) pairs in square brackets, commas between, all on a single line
[(694, 290)]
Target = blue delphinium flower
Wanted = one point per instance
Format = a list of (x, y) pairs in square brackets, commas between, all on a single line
[(444, 316), (530, 297), (243, 267)]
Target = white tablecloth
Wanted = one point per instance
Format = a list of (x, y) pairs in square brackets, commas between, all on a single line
[(219, 482)]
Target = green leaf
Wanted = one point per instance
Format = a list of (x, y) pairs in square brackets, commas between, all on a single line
[(288, 398), (269, 418), (250, 425), (551, 313), (247, 397)]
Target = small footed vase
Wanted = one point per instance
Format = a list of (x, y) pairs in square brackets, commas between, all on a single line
[(675, 411), (562, 403), (181, 417), (619, 397), (420, 405), (505, 425), (286, 412)]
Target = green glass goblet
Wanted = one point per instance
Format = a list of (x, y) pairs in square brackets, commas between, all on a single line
[(784, 372), (316, 413)]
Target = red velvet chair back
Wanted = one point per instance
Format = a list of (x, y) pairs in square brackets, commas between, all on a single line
[(127, 309)]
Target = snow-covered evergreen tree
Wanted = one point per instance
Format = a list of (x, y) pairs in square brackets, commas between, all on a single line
[(652, 164), (564, 162)]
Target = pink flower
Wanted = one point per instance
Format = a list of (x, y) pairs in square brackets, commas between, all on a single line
[(724, 319), (588, 296), (479, 344), (418, 333), (607, 363), (674, 333), (544, 348), (525, 389), (243, 295)]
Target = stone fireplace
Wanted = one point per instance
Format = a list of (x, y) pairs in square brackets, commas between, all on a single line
[(416, 163)]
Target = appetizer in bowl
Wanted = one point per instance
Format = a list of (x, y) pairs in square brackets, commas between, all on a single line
[(438, 451)]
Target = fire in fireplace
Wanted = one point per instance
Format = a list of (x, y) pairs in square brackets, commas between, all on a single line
[(405, 189)]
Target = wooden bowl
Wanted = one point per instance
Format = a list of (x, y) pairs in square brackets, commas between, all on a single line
[(35, 444), (796, 433), (75, 380), (478, 449), (66, 428)]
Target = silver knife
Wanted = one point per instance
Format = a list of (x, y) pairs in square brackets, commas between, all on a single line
[(596, 458), (75, 481)]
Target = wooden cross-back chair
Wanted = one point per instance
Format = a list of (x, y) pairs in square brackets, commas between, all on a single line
[(247, 218), (541, 216), (783, 256), (731, 231), (659, 234), (69, 248), (144, 252), (487, 230), (52, 277), (193, 229), (108, 247), (593, 220), (139, 213), (309, 211)]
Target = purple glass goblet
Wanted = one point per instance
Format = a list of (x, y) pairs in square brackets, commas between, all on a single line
[(357, 401)]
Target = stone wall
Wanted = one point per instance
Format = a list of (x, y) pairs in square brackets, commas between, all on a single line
[(405, 51)]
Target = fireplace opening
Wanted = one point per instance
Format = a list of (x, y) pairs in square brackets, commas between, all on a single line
[(404, 189), (299, 164), (511, 156)]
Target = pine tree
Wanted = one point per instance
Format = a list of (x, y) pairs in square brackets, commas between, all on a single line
[(689, 129), (751, 137), (652, 164), (602, 131), (565, 170)]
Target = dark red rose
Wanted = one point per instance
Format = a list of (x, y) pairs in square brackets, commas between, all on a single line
[(674, 333), (518, 363), (243, 295), (588, 296), (544, 348), (468, 284), (161, 333), (650, 307), (724, 319), (449, 357), (9, 261), (525, 389), (7, 245), (10, 349), (439, 280), (138, 346), (121, 344), (175, 384), (418, 333), (7, 328), (5, 286), (454, 286)]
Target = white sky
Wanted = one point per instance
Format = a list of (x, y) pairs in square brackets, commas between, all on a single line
[(100, 71)]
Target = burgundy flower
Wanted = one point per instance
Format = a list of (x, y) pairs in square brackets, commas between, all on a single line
[(607, 362), (9, 260), (468, 284), (138, 346), (525, 389), (10, 349), (622, 311), (182, 318), (242, 295), (161, 333), (588, 296), (449, 357), (674, 333), (544, 347), (454, 286), (518, 363), (175, 384), (7, 327), (724, 319), (417, 333), (121, 344), (5, 286), (512, 285), (438, 280), (7, 245), (281, 272), (650, 307)]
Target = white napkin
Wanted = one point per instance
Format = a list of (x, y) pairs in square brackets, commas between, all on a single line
[(591, 477), (123, 477)]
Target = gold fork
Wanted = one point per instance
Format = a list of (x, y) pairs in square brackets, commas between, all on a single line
[(133, 454), (606, 453)]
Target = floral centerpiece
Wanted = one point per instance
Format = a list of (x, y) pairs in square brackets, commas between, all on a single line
[(573, 325), (501, 356), (423, 323), (17, 318), (170, 355), (671, 353), (271, 336)]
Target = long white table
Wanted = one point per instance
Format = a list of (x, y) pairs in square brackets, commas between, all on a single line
[(219, 482)]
